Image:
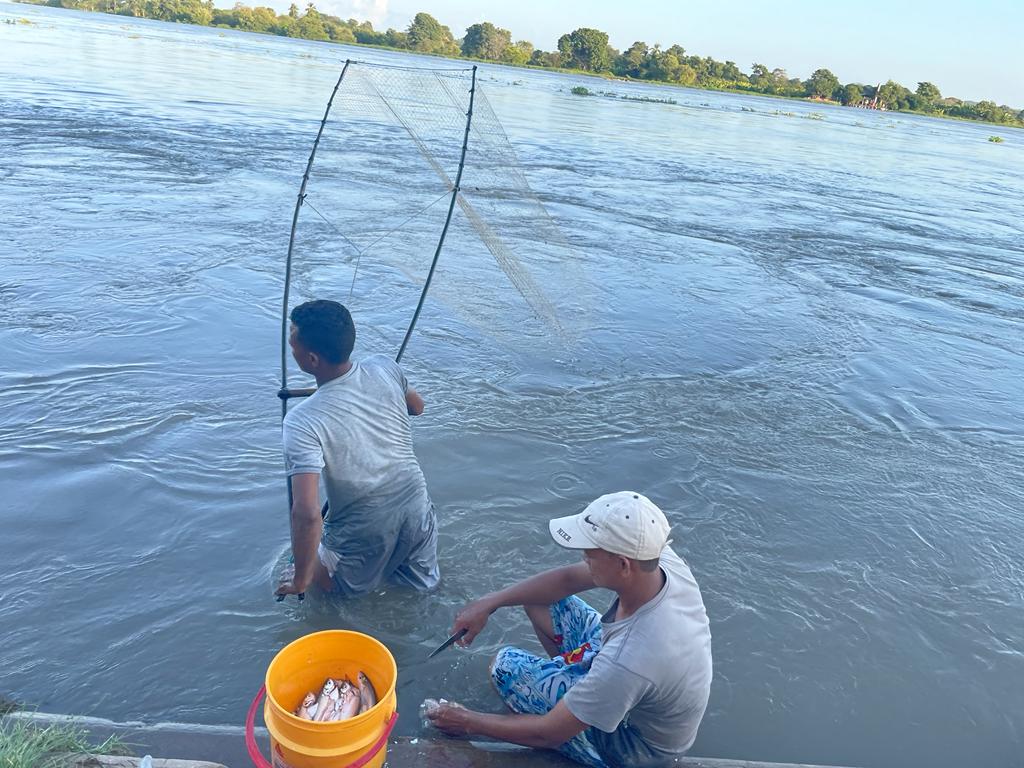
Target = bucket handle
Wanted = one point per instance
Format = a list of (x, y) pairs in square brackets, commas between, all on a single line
[(260, 762)]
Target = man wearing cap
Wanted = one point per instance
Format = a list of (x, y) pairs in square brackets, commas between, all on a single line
[(628, 688)]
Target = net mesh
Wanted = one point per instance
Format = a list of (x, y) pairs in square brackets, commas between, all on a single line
[(377, 198)]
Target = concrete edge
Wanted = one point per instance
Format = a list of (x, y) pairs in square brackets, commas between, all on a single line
[(190, 745)]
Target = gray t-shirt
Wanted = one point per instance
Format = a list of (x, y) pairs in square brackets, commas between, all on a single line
[(648, 686), (354, 432)]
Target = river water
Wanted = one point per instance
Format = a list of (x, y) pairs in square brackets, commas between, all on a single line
[(802, 338)]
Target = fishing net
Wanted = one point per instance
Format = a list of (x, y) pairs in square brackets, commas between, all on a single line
[(377, 198)]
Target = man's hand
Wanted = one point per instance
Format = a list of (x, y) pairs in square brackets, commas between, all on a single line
[(472, 618), (413, 402), (290, 588), (543, 731), (450, 718), (288, 585)]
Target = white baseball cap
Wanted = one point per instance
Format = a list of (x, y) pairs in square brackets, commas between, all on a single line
[(624, 523)]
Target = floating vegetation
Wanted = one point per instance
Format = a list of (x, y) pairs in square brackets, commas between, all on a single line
[(815, 116), (581, 90), (648, 99), (747, 109), (22, 20), (784, 114), (996, 139)]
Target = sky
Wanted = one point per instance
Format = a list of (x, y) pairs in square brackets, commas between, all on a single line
[(971, 50)]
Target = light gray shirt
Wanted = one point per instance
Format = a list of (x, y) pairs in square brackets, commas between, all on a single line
[(355, 433), (648, 686)]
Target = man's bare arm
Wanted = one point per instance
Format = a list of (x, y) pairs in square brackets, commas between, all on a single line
[(548, 731), (543, 589), (306, 527)]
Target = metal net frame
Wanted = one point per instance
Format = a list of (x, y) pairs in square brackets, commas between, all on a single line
[(395, 148)]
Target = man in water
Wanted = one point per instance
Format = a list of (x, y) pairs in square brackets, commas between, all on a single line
[(625, 689), (354, 432)]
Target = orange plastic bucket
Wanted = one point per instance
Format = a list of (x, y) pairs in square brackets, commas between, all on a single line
[(302, 666)]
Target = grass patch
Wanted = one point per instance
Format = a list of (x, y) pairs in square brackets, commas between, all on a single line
[(996, 139), (25, 745), (580, 90)]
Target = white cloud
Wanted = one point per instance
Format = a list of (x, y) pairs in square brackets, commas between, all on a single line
[(374, 11)]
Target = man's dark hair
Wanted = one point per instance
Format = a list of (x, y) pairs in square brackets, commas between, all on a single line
[(325, 327)]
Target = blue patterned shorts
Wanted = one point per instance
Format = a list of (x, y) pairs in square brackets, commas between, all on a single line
[(532, 684)]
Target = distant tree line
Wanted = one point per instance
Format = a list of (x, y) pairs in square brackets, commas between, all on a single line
[(583, 49)]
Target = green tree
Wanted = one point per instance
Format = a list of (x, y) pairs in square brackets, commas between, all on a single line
[(633, 61), (365, 33), (182, 11), (283, 25), (779, 81), (893, 95), (310, 26), (395, 39), (851, 94), (518, 53), (224, 17), (136, 8), (822, 84), (427, 35), (732, 72), (686, 75), (485, 41), (927, 96), (760, 77), (258, 19), (586, 49), (662, 65), (338, 31), (928, 91), (988, 111), (546, 59)]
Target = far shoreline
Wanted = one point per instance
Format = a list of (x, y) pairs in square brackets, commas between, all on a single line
[(605, 76)]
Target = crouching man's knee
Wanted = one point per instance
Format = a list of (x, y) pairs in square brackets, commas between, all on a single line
[(499, 666)]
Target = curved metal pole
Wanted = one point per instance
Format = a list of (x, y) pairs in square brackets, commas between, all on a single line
[(447, 221), (283, 392)]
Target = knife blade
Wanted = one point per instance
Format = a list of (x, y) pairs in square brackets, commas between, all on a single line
[(457, 636)]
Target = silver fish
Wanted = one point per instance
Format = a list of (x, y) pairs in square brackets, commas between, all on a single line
[(367, 694), (307, 708), (325, 704), (348, 704)]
